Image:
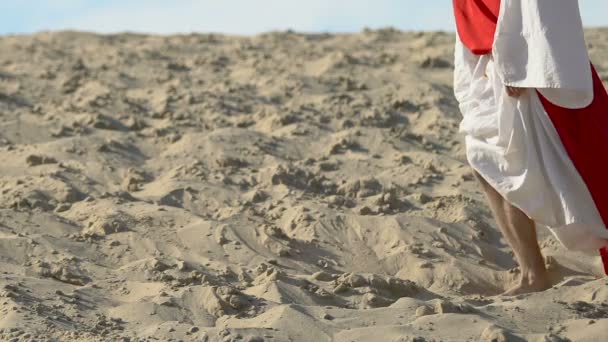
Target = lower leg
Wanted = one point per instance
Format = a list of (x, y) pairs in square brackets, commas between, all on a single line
[(524, 243), (520, 233)]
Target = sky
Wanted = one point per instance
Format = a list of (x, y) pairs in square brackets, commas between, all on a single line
[(239, 16)]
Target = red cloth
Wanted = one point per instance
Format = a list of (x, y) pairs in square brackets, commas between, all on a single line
[(583, 132), (476, 23)]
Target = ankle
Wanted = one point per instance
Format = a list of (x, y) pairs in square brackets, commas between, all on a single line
[(536, 276)]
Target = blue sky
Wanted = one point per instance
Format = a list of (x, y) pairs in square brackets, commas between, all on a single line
[(239, 16)]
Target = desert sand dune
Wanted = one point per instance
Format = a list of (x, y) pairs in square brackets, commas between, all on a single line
[(279, 187)]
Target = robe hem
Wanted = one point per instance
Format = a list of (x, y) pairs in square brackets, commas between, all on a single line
[(551, 227)]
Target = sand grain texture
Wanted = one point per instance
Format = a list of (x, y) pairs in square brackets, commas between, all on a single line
[(281, 187)]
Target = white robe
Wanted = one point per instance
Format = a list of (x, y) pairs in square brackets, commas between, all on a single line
[(512, 142)]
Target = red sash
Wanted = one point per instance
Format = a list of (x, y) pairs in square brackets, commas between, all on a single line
[(476, 23), (583, 132)]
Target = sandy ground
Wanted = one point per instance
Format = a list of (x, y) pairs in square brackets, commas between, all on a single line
[(282, 187)]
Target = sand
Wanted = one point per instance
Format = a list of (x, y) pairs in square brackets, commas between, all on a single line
[(280, 187)]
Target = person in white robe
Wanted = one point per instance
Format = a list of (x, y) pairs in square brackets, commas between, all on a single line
[(511, 142)]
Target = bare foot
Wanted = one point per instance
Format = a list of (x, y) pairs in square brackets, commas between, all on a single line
[(527, 286)]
